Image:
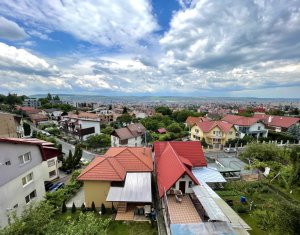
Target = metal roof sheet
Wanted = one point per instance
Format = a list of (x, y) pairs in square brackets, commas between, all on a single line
[(208, 175), (137, 188), (207, 228)]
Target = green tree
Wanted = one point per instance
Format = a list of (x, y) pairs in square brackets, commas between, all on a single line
[(27, 128), (163, 110), (174, 127), (125, 118), (98, 141), (108, 130), (294, 179), (33, 220), (125, 110), (49, 96), (56, 97)]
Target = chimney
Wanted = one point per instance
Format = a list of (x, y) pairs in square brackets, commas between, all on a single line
[(270, 119), (144, 150)]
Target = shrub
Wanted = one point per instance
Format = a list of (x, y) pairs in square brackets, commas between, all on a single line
[(64, 207), (73, 208), (242, 209), (83, 208), (93, 207), (103, 209)]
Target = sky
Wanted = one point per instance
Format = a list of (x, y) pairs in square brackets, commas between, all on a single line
[(162, 47)]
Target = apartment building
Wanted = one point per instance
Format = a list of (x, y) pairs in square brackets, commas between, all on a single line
[(24, 166)]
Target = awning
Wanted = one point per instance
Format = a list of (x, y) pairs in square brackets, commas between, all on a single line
[(211, 208), (217, 208), (208, 175), (137, 188)]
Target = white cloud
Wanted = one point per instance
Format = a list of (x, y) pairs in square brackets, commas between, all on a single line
[(11, 57), (106, 22), (10, 30)]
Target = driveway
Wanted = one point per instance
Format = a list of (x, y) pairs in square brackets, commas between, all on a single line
[(78, 199)]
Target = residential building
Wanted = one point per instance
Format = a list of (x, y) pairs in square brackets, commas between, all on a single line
[(11, 125), (25, 164), (32, 102), (131, 136), (279, 123), (190, 206), (121, 178), (247, 125), (215, 133), (81, 125)]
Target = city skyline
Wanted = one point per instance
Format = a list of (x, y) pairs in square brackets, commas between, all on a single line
[(151, 48)]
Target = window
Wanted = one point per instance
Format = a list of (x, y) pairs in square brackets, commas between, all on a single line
[(51, 162), (135, 138), (30, 197), (24, 158), (7, 163), (27, 179), (52, 173), (16, 206), (182, 177), (230, 132), (214, 132), (190, 184), (135, 144), (258, 128)]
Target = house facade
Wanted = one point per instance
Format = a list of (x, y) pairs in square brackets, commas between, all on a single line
[(247, 126), (11, 125), (280, 123), (82, 125), (31, 102), (23, 173), (131, 136), (119, 178), (215, 133)]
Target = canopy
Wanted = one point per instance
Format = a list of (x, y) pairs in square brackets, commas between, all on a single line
[(208, 175), (137, 188)]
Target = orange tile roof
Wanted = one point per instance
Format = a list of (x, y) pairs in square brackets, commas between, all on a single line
[(207, 126), (277, 121), (193, 120), (116, 162)]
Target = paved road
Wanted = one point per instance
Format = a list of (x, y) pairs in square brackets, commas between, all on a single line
[(66, 147)]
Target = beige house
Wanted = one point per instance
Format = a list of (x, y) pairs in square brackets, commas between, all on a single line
[(11, 125), (122, 177), (215, 133)]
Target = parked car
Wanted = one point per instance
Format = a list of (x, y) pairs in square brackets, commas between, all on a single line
[(230, 150), (48, 185), (56, 186)]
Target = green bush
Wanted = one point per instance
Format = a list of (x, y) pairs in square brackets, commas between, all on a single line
[(242, 209)]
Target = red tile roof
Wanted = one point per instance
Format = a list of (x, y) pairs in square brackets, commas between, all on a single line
[(116, 162), (173, 159), (277, 121), (208, 126), (47, 149), (193, 120), (240, 120)]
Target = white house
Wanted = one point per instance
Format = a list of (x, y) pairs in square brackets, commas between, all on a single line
[(131, 136), (82, 124), (23, 170)]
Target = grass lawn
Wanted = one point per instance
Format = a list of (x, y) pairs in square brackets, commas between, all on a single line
[(262, 199), (117, 227)]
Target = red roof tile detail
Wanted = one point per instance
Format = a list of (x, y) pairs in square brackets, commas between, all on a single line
[(239, 120), (173, 160), (208, 126), (277, 121), (116, 162)]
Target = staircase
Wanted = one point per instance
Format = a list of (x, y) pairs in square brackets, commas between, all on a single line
[(122, 206)]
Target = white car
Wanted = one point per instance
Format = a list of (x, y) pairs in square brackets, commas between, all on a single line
[(229, 150)]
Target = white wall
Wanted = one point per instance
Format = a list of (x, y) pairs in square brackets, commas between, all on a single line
[(132, 142), (13, 192), (187, 179), (255, 127), (87, 124), (47, 169)]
